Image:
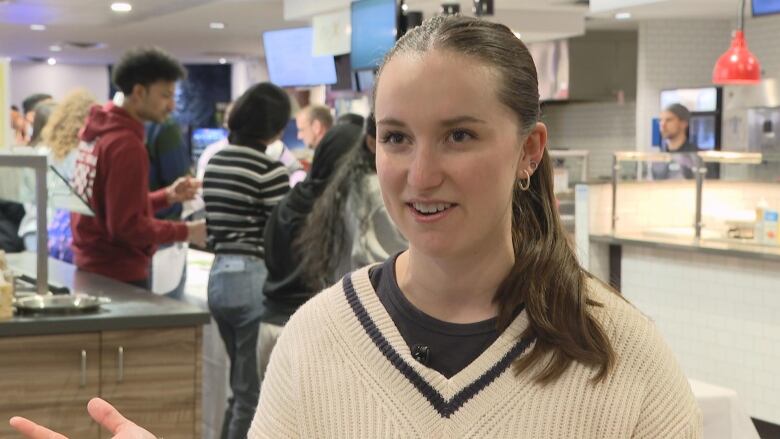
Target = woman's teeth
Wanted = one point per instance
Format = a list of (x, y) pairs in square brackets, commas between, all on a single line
[(431, 208)]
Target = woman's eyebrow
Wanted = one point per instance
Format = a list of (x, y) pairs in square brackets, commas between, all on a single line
[(461, 119), (391, 121), (446, 122)]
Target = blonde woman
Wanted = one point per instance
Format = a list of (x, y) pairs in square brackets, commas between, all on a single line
[(61, 135)]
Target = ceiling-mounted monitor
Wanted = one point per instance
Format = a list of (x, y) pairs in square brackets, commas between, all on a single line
[(288, 53), (374, 31), (766, 7)]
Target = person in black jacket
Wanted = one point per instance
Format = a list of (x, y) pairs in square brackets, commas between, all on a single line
[(11, 214), (286, 287)]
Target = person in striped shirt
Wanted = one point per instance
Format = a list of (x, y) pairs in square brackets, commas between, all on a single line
[(241, 186)]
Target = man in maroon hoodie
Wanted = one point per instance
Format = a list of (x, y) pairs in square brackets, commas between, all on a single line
[(112, 172)]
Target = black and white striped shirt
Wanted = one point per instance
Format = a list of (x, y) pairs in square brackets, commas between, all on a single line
[(241, 186)]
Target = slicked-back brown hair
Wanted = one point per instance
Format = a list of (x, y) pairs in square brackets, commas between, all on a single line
[(546, 276)]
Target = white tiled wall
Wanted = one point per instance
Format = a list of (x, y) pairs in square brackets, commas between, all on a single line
[(599, 127), (674, 54), (719, 314)]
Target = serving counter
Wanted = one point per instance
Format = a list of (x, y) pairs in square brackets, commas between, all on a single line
[(721, 247), (140, 352), (715, 298)]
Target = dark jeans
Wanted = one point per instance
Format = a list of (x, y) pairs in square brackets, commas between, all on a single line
[(236, 303)]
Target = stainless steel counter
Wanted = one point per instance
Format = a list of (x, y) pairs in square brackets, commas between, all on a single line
[(717, 247), (130, 307)]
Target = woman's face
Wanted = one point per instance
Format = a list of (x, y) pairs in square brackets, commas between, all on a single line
[(449, 153)]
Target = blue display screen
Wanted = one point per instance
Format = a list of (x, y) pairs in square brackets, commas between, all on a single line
[(288, 53), (366, 80), (373, 32), (203, 137), (290, 136), (766, 7)]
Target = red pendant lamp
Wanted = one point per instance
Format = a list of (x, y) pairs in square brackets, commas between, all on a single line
[(738, 66)]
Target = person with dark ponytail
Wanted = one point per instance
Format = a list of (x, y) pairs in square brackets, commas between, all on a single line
[(241, 186), (487, 326), (360, 231), (344, 227), (288, 285)]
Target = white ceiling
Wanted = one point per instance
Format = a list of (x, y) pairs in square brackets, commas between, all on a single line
[(182, 26)]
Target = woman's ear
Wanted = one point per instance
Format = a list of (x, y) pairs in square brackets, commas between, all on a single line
[(533, 150)]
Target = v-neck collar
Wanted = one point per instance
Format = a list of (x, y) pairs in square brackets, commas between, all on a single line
[(446, 396)]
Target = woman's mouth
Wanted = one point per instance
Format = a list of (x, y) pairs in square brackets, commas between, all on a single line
[(427, 212)]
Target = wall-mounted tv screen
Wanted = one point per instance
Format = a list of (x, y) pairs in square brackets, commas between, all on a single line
[(203, 137), (365, 80), (374, 30), (766, 7), (288, 53), (290, 136), (345, 80), (697, 100)]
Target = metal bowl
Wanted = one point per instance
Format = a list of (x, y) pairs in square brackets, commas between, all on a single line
[(59, 304)]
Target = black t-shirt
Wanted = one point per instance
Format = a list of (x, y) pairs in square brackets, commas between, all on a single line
[(442, 346)]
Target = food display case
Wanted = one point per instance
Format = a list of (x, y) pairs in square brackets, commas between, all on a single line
[(723, 209), (570, 167)]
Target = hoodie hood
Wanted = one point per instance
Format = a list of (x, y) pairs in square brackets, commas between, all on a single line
[(109, 118)]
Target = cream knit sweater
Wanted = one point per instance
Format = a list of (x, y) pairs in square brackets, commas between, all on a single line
[(342, 370)]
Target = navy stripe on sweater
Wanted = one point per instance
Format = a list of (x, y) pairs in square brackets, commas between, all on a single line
[(443, 407)]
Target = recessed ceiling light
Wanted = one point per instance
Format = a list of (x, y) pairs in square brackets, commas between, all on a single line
[(217, 25), (622, 16), (55, 48), (222, 61), (121, 7), (38, 27), (51, 61)]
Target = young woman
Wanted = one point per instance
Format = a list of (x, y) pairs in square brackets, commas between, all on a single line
[(241, 187), (487, 326), (61, 135)]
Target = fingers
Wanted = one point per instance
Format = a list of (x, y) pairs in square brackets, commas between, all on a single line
[(195, 183), (32, 430), (106, 415)]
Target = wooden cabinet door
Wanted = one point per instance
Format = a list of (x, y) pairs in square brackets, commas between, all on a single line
[(49, 379), (152, 376)]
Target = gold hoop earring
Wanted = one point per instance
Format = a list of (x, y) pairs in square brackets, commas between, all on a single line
[(524, 187)]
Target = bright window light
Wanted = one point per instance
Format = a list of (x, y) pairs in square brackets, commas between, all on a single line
[(121, 7)]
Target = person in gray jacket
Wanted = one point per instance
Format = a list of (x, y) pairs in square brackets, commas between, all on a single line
[(360, 231)]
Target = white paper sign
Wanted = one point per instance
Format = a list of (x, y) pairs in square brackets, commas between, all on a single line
[(331, 33)]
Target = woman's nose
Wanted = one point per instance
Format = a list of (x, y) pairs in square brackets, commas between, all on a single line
[(425, 171)]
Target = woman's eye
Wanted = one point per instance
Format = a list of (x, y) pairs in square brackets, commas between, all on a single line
[(393, 138), (459, 136)]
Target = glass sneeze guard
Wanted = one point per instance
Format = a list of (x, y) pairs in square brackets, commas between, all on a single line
[(27, 177)]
